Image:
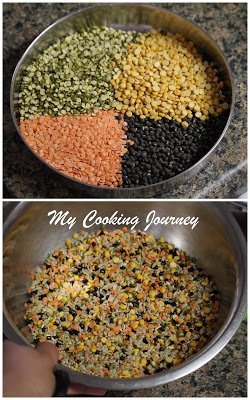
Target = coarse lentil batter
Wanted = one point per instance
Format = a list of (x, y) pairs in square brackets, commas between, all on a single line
[(121, 304)]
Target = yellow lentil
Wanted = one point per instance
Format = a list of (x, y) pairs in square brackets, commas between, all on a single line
[(167, 68)]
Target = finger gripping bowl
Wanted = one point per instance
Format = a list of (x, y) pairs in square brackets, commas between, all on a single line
[(127, 17), (217, 242)]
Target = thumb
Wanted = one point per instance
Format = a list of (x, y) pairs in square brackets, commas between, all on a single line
[(76, 388), (48, 350)]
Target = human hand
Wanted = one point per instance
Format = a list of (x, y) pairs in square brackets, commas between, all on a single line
[(28, 372)]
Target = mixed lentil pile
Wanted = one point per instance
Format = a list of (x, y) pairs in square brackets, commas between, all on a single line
[(121, 304), (155, 76)]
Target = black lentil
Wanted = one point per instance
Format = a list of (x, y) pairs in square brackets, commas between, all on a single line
[(164, 148)]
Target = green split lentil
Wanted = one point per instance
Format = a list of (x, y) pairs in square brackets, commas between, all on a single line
[(73, 76), (121, 304)]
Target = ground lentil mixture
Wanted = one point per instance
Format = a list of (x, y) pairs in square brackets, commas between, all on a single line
[(121, 304), (155, 75)]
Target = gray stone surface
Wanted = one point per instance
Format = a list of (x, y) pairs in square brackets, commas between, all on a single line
[(223, 177)]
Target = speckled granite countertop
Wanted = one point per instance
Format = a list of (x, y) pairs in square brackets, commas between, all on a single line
[(223, 177)]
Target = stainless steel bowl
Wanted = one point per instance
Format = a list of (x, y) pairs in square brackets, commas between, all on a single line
[(135, 17), (216, 241)]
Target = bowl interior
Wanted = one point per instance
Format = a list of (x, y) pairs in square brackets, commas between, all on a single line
[(30, 238)]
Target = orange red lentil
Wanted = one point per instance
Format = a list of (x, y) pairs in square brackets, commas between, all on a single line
[(85, 147)]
